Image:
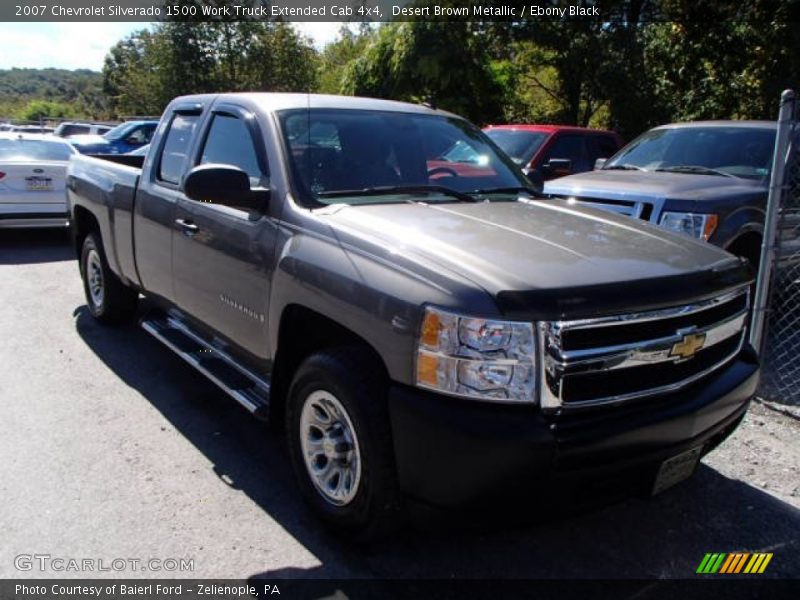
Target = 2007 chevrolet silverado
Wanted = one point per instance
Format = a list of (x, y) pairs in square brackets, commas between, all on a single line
[(428, 336)]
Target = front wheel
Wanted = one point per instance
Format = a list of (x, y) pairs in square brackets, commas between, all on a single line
[(109, 300), (340, 442)]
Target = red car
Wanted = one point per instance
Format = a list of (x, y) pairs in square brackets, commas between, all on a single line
[(554, 150)]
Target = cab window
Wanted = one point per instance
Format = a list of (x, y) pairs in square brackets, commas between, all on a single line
[(176, 146)]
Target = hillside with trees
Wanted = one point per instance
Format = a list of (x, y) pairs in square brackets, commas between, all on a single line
[(27, 93)]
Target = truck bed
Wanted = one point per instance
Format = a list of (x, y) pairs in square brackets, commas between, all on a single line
[(107, 184)]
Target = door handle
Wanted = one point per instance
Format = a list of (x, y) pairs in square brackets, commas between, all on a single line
[(187, 226)]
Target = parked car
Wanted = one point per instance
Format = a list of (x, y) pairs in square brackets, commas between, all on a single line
[(30, 129), (550, 151), (32, 171), (69, 128), (706, 179), (120, 140), (426, 336)]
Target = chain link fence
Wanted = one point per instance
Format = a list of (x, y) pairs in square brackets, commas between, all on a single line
[(780, 267)]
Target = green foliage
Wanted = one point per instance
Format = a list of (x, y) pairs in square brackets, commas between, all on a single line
[(144, 71), (336, 58), (76, 93), (721, 67), (443, 63), (36, 109)]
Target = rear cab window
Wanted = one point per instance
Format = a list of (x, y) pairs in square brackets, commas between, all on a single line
[(174, 152)]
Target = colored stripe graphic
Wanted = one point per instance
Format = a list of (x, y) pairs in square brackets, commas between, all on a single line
[(711, 562), (758, 563), (734, 563), (721, 562)]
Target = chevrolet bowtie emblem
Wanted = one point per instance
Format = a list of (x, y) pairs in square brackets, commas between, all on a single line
[(688, 346)]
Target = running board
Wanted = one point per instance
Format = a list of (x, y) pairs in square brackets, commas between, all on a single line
[(244, 386)]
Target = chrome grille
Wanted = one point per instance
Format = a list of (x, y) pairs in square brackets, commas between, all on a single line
[(629, 208), (624, 357)]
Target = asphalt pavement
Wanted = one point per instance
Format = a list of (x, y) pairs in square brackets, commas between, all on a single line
[(112, 448)]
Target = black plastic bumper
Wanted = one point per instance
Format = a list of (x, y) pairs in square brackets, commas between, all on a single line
[(458, 453)]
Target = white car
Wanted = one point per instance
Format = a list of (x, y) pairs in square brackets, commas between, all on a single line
[(32, 174)]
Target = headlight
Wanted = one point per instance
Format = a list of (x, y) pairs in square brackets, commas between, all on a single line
[(696, 225), (476, 358)]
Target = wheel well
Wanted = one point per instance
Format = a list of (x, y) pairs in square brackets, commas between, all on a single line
[(83, 223), (747, 245), (302, 332)]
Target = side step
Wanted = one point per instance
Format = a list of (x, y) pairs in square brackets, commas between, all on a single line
[(244, 386)]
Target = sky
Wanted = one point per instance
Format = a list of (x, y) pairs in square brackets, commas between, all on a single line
[(84, 45)]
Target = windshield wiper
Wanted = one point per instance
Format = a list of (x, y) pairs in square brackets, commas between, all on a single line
[(507, 190), (694, 169), (625, 167), (386, 190)]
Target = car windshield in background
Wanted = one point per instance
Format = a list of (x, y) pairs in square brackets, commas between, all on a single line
[(519, 145), (388, 153), (726, 151), (119, 132), (23, 150)]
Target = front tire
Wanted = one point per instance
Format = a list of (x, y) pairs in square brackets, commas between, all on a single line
[(109, 300), (340, 442)]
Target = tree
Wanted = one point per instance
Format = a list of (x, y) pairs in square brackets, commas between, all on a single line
[(337, 57), (144, 71), (715, 61), (443, 63), (133, 76)]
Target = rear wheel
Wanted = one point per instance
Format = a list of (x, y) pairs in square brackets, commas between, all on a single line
[(109, 300), (340, 442)]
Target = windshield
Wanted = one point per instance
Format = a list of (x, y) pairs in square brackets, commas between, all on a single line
[(738, 151), (120, 131), (14, 150), (519, 145), (335, 151)]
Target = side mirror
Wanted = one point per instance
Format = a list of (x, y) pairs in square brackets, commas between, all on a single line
[(133, 141), (536, 179), (558, 167), (598, 164), (225, 185)]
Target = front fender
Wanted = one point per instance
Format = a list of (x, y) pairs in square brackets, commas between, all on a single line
[(742, 220), (378, 299)]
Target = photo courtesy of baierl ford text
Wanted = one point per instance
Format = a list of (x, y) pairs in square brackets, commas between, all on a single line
[(370, 299)]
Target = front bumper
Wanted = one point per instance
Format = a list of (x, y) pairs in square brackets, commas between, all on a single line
[(457, 453)]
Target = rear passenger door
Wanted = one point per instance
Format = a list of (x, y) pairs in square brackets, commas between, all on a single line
[(223, 257), (156, 197)]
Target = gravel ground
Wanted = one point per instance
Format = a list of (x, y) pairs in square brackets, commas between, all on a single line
[(113, 447)]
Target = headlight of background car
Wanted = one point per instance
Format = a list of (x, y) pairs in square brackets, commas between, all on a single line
[(476, 358), (696, 225)]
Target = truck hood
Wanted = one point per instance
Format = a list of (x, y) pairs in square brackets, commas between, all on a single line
[(639, 185), (527, 245)]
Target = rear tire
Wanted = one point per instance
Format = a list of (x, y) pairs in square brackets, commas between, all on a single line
[(109, 300), (340, 442)]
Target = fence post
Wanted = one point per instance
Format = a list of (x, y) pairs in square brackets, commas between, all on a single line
[(777, 185)]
